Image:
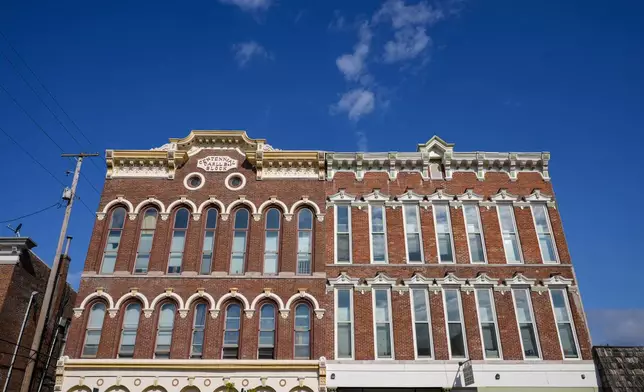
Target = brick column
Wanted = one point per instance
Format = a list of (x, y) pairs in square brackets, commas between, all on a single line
[(461, 247), (395, 236), (492, 235), (508, 328), (430, 248), (527, 235), (402, 326), (363, 326), (439, 333), (471, 321)]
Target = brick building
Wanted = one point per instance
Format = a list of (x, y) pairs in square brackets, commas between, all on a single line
[(218, 262), (23, 280)]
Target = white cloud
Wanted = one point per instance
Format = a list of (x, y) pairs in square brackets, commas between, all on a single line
[(353, 65), (249, 5), (407, 44), (338, 22), (246, 51), (402, 15), (617, 327), (356, 103)]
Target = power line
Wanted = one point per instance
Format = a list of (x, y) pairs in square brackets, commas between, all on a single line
[(57, 204), (90, 183)]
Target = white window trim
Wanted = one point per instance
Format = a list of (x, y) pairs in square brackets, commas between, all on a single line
[(460, 310), (516, 232), (572, 323), (429, 322), (451, 233), (552, 235), (496, 322), (534, 324), (335, 234), (467, 234), (391, 324), (420, 233), (384, 223), (335, 324)]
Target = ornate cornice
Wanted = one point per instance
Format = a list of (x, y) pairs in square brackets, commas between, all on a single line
[(287, 164)]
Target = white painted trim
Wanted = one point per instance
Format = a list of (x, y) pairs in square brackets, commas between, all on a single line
[(182, 200), (188, 187), (169, 293), (384, 224), (241, 200), (148, 201), (467, 234), (451, 233), (133, 294), (516, 233), (211, 200), (271, 202), (236, 174), (98, 293), (391, 322), (572, 323), (268, 294), (460, 311), (429, 321), (420, 233), (335, 323), (119, 200), (552, 235), (335, 234), (306, 201), (319, 312), (496, 322), (201, 294), (235, 295), (534, 323)]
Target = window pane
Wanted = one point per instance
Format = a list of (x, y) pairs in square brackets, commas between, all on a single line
[(96, 316), (411, 219), (267, 313), (273, 219), (423, 343), (507, 221), (239, 242), (453, 311), (567, 340), (118, 218), (303, 264), (413, 247), (237, 264), (128, 339), (344, 341), (197, 341), (476, 248), (343, 219), (377, 219), (113, 240), (559, 304), (200, 315), (211, 219), (131, 318), (302, 317), (382, 306), (241, 219), (266, 339), (420, 305), (344, 305), (166, 319), (181, 219), (343, 247), (141, 265), (231, 338), (233, 311), (383, 340), (456, 340), (302, 352), (233, 323), (304, 242), (178, 241), (529, 341), (511, 246), (523, 307), (208, 241), (379, 253), (302, 338), (271, 241), (149, 219), (489, 341), (472, 218), (305, 220), (270, 263), (547, 247), (109, 260), (164, 340), (442, 219), (485, 306), (540, 218), (445, 247), (145, 242)]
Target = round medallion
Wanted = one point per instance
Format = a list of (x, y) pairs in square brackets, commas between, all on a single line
[(235, 181), (194, 181), (245, 382), (99, 382), (137, 382), (206, 382), (282, 382), (175, 382)]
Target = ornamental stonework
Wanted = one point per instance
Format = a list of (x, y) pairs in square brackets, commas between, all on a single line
[(215, 163)]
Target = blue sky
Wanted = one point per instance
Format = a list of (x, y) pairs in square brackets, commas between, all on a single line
[(564, 77)]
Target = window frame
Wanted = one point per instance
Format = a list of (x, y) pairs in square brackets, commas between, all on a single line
[(533, 322), (375, 323), (534, 205), (278, 251), (196, 328), (141, 232), (428, 322), (246, 241), (158, 328), (515, 232), (335, 233), (336, 322), (496, 322), (88, 328), (416, 207), (239, 331), (123, 328), (107, 238), (312, 241), (207, 230), (475, 205), (173, 230), (462, 322), (451, 232), (309, 309), (274, 330), (571, 322), (383, 233)]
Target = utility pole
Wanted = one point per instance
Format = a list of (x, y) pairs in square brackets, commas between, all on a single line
[(45, 309)]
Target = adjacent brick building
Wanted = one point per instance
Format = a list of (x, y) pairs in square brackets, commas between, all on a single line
[(219, 262)]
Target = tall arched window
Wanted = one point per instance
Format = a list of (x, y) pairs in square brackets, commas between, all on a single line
[(178, 240), (198, 328), (130, 326), (304, 241), (208, 248), (164, 331), (266, 332), (117, 221), (272, 241), (93, 332), (302, 349), (231, 332), (148, 226), (240, 239)]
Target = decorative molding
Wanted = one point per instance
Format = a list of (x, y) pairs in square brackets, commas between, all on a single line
[(342, 280), (410, 197), (376, 196), (143, 164), (134, 293), (469, 195), (185, 201), (341, 197), (169, 293), (268, 293), (381, 279), (440, 196), (201, 293), (306, 201), (211, 200), (483, 279), (217, 163), (242, 200), (234, 294), (520, 280), (503, 195), (273, 200), (302, 294), (99, 293), (150, 201), (558, 280), (451, 279), (119, 200)]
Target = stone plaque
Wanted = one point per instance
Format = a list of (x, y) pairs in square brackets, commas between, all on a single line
[(215, 163)]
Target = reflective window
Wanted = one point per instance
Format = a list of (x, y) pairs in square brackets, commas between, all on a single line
[(443, 233), (93, 332), (117, 221), (488, 323), (544, 233), (240, 237), (164, 331), (208, 248), (413, 238), (565, 326), (130, 327), (198, 330), (343, 234), (304, 242), (344, 323), (455, 327), (474, 233), (148, 226), (272, 241), (509, 231), (382, 316), (378, 229), (266, 348), (527, 327), (178, 243), (302, 349), (232, 326), (422, 323)]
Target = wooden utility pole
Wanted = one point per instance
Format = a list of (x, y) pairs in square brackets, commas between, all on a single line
[(45, 309)]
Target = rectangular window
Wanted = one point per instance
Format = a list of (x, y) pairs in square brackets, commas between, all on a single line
[(455, 327), (509, 232), (474, 233), (413, 239), (208, 246), (488, 324), (378, 228), (143, 252), (344, 323), (176, 251), (111, 250), (544, 233), (382, 320), (443, 233), (198, 331), (565, 326), (422, 323), (527, 327), (343, 234)]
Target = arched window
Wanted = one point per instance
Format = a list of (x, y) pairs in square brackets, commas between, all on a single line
[(266, 332), (231, 332), (304, 241), (198, 328), (208, 242), (94, 327), (178, 240), (148, 226), (164, 331), (130, 326), (272, 241), (117, 220), (240, 239), (302, 349)]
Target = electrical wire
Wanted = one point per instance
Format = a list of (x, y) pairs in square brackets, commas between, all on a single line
[(57, 204)]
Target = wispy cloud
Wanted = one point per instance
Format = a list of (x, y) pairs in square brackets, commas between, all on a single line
[(247, 51), (356, 103), (353, 65), (250, 5), (617, 327), (338, 23)]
